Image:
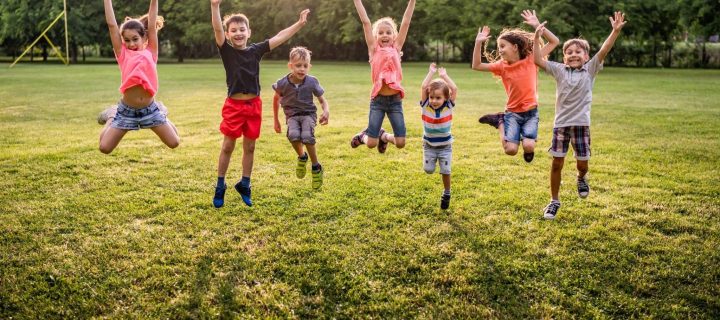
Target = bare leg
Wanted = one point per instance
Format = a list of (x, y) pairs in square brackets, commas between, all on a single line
[(248, 156), (168, 134), (298, 147), (110, 137), (370, 142), (226, 151), (555, 177), (446, 181), (399, 142), (528, 145), (582, 167), (510, 148), (312, 152)]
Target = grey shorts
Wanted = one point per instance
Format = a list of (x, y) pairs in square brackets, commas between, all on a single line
[(129, 118), (301, 128), (441, 155)]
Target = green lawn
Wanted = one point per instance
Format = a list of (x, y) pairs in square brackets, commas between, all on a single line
[(134, 234)]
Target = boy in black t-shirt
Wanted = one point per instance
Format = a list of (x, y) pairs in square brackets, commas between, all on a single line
[(242, 111)]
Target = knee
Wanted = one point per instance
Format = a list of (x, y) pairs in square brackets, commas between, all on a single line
[(227, 149), (372, 143), (173, 144), (557, 164), (511, 150), (105, 149), (399, 143), (249, 149), (429, 170)]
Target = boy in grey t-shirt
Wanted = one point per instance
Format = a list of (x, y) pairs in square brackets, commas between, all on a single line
[(295, 93), (575, 78)]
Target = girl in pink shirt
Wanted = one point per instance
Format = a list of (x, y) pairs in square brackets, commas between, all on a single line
[(384, 49), (514, 64), (135, 44)]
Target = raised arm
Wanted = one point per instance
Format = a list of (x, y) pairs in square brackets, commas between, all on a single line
[(367, 26), (152, 28), (288, 32), (482, 36), (276, 107), (113, 27), (617, 24), (533, 21), (405, 25), (424, 87), (537, 54), (217, 22), (453, 88)]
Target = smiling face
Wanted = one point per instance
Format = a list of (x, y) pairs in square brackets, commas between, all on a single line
[(133, 40), (238, 34), (436, 98), (508, 51), (299, 68), (575, 56)]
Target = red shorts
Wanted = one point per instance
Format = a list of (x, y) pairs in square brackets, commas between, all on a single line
[(241, 118)]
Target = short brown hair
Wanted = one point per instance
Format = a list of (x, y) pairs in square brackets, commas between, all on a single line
[(300, 53), (236, 18), (582, 43), (439, 84)]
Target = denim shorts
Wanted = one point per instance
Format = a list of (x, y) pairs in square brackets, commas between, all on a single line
[(129, 118), (301, 128), (390, 105), (577, 136), (440, 154), (522, 125)]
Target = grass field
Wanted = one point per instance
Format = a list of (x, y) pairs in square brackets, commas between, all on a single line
[(134, 234)]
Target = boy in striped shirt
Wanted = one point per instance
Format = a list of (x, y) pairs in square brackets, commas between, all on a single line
[(437, 103)]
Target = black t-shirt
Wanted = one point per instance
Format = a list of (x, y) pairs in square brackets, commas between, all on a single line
[(242, 67)]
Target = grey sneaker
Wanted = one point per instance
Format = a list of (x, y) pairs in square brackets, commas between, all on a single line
[(551, 210), (583, 188), (106, 114)]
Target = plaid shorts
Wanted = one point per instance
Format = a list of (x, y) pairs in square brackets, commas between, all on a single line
[(578, 136)]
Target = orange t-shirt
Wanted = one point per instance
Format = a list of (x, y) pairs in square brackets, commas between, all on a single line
[(385, 67), (138, 68), (520, 81)]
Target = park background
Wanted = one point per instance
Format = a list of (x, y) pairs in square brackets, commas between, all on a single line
[(134, 234)]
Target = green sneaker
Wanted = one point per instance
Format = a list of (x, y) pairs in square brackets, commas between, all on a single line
[(317, 178), (301, 168)]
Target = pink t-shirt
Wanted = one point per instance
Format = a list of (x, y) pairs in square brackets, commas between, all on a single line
[(385, 67), (520, 81), (138, 68)]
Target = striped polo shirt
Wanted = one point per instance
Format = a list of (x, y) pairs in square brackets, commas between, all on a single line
[(437, 122)]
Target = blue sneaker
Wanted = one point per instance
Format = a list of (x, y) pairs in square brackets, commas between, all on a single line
[(219, 199), (244, 193)]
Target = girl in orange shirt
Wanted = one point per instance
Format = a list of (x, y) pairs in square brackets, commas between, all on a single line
[(514, 64)]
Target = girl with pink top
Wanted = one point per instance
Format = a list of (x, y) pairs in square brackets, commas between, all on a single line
[(384, 49), (135, 44), (514, 64)]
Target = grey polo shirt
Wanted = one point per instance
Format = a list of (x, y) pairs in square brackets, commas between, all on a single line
[(573, 95), (297, 99)]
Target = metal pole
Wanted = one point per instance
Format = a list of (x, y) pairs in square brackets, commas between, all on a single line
[(67, 47)]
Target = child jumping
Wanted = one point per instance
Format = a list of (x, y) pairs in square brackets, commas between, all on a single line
[(437, 102), (295, 93), (384, 49), (135, 44), (515, 65), (242, 111), (575, 78)]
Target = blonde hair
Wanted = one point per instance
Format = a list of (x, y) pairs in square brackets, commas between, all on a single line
[(236, 18), (300, 53), (582, 43), (140, 24), (386, 20), (439, 84)]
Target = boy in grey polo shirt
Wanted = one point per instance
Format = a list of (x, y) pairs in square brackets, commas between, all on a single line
[(295, 93), (575, 78)]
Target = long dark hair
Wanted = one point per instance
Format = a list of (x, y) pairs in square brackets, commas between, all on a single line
[(140, 24)]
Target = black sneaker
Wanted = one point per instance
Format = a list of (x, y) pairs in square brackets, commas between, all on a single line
[(551, 210), (493, 119), (445, 201), (529, 156), (583, 188), (244, 193), (219, 199)]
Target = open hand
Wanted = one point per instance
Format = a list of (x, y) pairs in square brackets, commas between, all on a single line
[(442, 72), (433, 68), (619, 21), (483, 34), (303, 16), (539, 30), (530, 18)]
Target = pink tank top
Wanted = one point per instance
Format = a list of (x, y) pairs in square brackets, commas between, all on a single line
[(138, 68), (385, 67)]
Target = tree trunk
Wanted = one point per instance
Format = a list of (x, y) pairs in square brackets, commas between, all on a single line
[(654, 54), (83, 52), (73, 52), (44, 53)]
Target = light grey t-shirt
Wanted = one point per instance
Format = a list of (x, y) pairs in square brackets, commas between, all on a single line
[(573, 95), (297, 99)]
